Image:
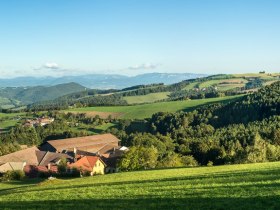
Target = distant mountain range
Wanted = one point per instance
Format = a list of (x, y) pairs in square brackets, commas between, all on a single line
[(101, 81)]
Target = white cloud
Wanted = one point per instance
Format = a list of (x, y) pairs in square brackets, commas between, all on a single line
[(144, 66), (51, 65)]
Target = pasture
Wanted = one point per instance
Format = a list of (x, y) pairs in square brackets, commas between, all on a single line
[(149, 98), (246, 186), (147, 110)]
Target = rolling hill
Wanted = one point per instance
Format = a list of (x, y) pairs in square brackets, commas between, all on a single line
[(147, 110), (12, 96), (200, 88), (246, 186)]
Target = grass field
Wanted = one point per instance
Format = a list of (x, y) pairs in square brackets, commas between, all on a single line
[(149, 98), (147, 110), (262, 76), (191, 86), (247, 186), (225, 84), (92, 131)]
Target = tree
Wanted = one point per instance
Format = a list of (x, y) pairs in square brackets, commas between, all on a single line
[(62, 165), (138, 158)]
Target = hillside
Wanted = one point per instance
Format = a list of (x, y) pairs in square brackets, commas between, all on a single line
[(200, 88), (27, 95), (249, 186), (147, 110)]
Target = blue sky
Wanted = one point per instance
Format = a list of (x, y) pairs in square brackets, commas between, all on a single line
[(66, 37)]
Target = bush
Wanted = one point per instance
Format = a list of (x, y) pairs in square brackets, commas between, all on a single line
[(44, 174), (189, 161), (13, 175), (210, 163), (86, 173)]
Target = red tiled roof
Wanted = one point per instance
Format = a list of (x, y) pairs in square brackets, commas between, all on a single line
[(86, 163)]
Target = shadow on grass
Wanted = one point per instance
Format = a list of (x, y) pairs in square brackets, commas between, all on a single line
[(224, 179), (269, 202), (96, 130)]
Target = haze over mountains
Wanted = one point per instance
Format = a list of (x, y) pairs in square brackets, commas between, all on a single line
[(101, 81)]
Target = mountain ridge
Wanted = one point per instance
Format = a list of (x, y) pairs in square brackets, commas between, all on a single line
[(100, 81)]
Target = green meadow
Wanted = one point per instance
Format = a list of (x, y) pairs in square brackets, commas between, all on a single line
[(247, 186), (149, 98), (147, 110)]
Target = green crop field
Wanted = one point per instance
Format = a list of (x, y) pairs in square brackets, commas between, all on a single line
[(147, 110), (247, 186), (191, 86), (149, 98)]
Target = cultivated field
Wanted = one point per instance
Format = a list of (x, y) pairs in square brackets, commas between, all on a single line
[(247, 186), (149, 98), (147, 110)]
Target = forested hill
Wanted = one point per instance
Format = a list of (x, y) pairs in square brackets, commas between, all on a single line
[(256, 106), (28, 95), (243, 131)]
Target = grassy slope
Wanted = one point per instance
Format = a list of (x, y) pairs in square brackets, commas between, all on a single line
[(250, 186), (146, 110), (149, 98)]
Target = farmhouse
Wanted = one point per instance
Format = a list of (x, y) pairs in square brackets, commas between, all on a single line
[(95, 145), (33, 156), (32, 161), (26, 155), (38, 122), (96, 154), (91, 164)]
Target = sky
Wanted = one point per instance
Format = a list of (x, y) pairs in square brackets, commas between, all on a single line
[(129, 37)]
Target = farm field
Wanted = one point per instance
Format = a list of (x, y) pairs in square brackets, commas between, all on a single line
[(224, 84), (191, 86), (147, 110), (246, 186), (149, 98), (93, 130), (262, 76)]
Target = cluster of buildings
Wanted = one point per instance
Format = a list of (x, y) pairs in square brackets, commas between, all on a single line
[(96, 154), (38, 122)]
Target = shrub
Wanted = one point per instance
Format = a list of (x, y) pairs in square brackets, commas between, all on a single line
[(210, 163), (189, 161), (44, 174), (13, 175), (86, 173)]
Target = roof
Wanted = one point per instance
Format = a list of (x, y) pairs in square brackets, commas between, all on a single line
[(87, 163), (33, 156), (26, 155), (45, 158), (87, 143), (12, 166)]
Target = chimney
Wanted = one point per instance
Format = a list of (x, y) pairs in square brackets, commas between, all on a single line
[(75, 154)]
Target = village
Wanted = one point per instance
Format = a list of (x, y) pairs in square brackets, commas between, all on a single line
[(89, 155)]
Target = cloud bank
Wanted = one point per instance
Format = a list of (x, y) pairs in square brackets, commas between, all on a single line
[(51, 65), (145, 66)]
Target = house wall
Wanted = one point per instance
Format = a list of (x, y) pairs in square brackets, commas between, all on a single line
[(98, 168)]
